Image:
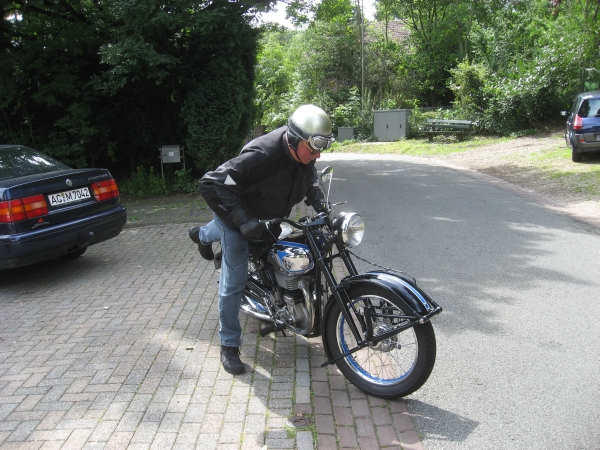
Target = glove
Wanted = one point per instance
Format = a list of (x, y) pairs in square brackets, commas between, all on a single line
[(253, 228), (250, 227), (320, 206)]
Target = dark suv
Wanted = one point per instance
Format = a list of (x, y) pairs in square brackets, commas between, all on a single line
[(583, 124)]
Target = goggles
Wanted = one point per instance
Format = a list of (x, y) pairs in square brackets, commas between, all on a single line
[(317, 144)]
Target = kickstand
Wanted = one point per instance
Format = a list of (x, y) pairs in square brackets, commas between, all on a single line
[(283, 333)]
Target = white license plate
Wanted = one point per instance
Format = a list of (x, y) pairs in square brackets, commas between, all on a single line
[(598, 137), (76, 195)]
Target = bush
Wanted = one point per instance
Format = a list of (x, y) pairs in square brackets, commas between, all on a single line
[(148, 184), (144, 184), (348, 114), (515, 105), (184, 182), (419, 116), (467, 84)]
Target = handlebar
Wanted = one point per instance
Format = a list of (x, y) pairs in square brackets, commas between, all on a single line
[(284, 220)]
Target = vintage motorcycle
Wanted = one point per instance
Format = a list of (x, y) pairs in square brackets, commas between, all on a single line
[(375, 326)]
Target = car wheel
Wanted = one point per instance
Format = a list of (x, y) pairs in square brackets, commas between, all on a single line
[(73, 255), (575, 155)]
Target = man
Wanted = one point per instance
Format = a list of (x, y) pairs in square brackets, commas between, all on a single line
[(273, 173)]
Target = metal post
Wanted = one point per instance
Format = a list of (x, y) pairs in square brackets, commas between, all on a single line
[(161, 163), (362, 64)]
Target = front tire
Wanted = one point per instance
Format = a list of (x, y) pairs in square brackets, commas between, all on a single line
[(393, 368)]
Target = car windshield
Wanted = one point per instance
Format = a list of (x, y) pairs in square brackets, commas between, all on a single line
[(590, 108), (22, 161)]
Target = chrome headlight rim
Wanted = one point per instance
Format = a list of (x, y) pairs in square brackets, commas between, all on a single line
[(351, 227)]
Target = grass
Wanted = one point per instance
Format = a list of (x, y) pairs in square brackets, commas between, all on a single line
[(441, 145), (555, 164)]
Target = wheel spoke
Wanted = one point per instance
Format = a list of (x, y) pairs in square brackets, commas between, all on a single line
[(394, 367), (392, 359)]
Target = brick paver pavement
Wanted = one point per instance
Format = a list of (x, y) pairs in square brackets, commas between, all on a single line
[(119, 349)]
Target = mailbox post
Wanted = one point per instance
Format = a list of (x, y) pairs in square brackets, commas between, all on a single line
[(171, 154)]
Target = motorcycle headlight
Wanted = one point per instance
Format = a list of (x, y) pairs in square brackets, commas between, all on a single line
[(351, 227)]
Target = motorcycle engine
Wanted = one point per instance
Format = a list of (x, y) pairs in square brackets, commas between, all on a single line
[(293, 262)]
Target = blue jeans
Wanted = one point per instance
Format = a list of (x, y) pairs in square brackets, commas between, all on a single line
[(234, 273)]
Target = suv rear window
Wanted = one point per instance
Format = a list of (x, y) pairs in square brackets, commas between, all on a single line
[(590, 107), (22, 161)]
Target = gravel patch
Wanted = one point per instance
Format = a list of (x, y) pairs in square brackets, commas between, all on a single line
[(526, 162)]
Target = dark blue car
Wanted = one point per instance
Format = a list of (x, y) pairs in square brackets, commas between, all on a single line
[(49, 210), (583, 125)]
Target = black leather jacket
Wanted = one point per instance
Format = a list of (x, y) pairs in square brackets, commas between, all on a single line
[(263, 180)]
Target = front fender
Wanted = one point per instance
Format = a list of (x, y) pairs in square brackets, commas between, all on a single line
[(399, 287)]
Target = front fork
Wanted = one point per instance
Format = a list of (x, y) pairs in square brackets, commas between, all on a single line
[(369, 315), (324, 270)]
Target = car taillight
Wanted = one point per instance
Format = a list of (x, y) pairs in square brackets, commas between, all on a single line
[(104, 190), (577, 123), (23, 208)]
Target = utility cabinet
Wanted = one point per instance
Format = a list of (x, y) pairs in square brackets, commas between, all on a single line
[(391, 124), (345, 134)]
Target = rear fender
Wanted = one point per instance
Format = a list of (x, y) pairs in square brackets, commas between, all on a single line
[(399, 287)]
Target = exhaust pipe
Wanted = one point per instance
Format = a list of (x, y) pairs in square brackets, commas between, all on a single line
[(252, 306), (308, 309)]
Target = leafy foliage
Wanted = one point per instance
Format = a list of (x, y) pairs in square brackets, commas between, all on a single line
[(106, 84), (509, 66), (145, 184), (274, 74), (319, 66), (467, 84), (535, 57)]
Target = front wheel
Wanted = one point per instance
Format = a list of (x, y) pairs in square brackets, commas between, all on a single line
[(394, 367)]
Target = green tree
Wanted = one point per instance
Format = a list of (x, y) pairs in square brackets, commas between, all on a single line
[(274, 74), (328, 62), (335, 11), (438, 31), (390, 80), (535, 53), (303, 13), (109, 83), (318, 65), (510, 65), (467, 84)]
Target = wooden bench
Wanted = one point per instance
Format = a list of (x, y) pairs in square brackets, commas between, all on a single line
[(457, 127)]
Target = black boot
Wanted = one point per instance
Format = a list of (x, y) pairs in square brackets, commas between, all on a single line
[(230, 357), (205, 250)]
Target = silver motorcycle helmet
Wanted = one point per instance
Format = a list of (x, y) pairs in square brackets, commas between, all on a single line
[(312, 125)]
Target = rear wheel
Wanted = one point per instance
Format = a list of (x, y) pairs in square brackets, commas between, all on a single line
[(394, 367), (575, 155)]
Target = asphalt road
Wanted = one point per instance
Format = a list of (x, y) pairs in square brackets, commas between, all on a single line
[(518, 362)]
